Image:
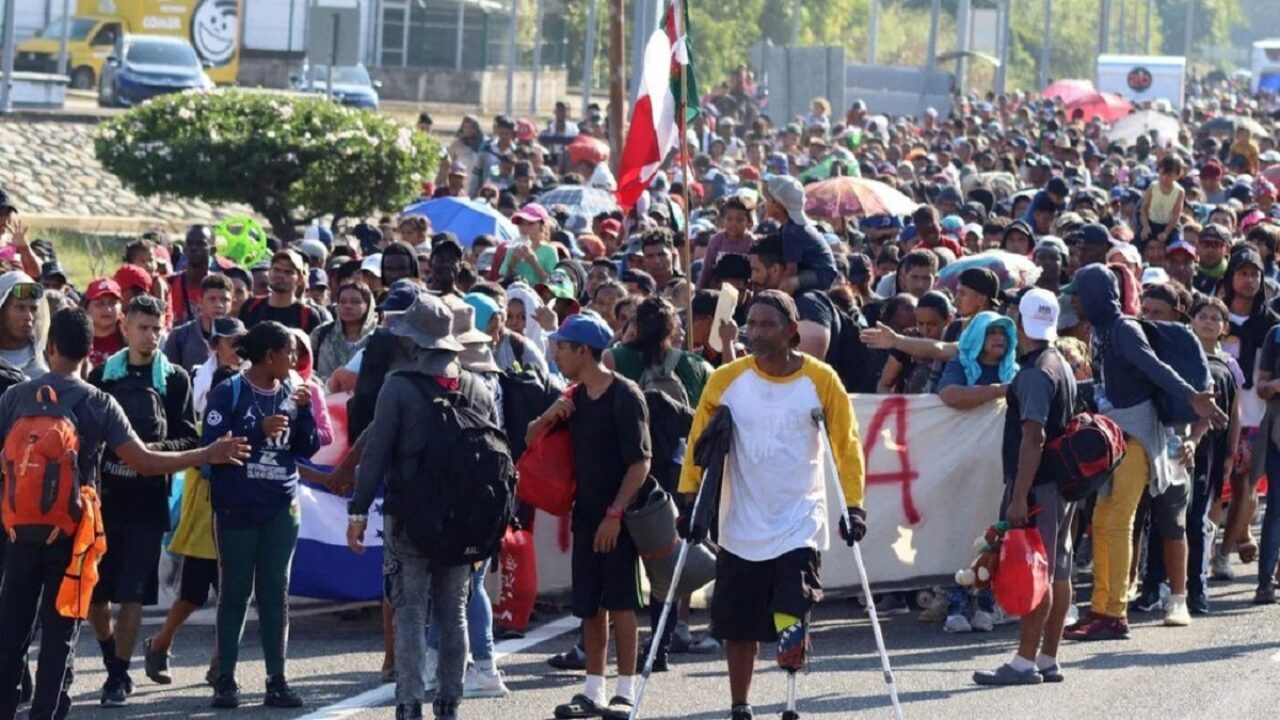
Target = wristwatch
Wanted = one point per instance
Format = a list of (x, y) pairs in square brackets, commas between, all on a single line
[(362, 519), (613, 511)]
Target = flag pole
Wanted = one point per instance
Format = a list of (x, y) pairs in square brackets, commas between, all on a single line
[(686, 253)]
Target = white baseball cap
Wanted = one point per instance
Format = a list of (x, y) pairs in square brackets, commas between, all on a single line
[(1038, 309)]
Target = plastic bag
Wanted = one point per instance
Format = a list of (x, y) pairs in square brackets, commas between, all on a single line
[(547, 479), (1022, 576), (518, 565)]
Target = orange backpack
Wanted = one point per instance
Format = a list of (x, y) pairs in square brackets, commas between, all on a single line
[(42, 472)]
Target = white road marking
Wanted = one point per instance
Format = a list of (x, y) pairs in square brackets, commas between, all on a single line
[(386, 693)]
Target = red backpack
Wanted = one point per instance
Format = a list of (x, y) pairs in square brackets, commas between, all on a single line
[(42, 472), (1084, 456)]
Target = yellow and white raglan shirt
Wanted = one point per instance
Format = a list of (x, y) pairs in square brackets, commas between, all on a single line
[(774, 496)]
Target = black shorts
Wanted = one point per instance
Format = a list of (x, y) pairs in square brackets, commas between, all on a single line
[(196, 577), (749, 593), (1169, 511), (130, 569), (605, 581)]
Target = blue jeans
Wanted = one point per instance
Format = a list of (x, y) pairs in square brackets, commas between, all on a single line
[(957, 599), (1269, 551), (479, 621)]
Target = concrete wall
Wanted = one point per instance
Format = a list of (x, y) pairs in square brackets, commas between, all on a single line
[(796, 76), (895, 90)]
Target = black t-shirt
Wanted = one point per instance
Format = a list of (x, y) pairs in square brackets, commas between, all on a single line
[(1213, 448), (169, 426), (610, 433), (1044, 391), (297, 315)]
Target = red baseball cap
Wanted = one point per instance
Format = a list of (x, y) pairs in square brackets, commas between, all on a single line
[(102, 287), (610, 227), (132, 277)]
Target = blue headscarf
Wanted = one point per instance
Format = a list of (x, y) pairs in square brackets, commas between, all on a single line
[(972, 340)]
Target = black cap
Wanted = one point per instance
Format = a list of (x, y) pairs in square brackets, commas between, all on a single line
[(982, 281), (1095, 234), (52, 268), (6, 203), (446, 241), (1058, 186)]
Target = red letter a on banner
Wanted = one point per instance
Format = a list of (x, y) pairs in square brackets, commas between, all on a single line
[(895, 405)]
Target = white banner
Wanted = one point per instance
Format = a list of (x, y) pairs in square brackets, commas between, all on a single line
[(934, 483)]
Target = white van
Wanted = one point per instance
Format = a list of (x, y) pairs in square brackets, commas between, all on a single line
[(1143, 78), (1266, 66)]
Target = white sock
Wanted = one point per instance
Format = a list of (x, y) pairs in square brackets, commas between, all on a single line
[(485, 666), (626, 687), (595, 689), (1044, 662), (1021, 664)]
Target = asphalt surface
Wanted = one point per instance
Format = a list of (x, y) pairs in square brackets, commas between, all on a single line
[(1222, 666)]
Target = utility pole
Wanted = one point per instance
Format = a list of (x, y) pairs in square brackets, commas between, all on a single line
[(873, 32), (511, 59), (1146, 43), (963, 22), (1002, 71), (458, 38), (617, 81), (1044, 45), (795, 23), (537, 58), (1104, 27), (589, 56), (6, 90), (931, 59), (64, 67), (1191, 29), (1123, 41)]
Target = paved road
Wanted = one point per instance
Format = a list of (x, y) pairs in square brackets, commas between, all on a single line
[(1222, 666)]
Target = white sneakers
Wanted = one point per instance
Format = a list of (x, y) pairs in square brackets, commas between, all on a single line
[(957, 624), (1176, 613), (983, 621), (483, 683)]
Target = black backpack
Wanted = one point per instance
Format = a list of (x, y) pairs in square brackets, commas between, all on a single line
[(848, 355), (142, 404), (526, 394), (1177, 347), (457, 505)]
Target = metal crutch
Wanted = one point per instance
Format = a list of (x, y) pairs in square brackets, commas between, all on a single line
[(834, 477), (666, 606)]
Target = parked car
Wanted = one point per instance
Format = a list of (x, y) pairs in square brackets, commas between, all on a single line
[(351, 84), (144, 66)]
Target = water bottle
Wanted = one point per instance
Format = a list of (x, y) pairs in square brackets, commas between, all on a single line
[(1173, 444)]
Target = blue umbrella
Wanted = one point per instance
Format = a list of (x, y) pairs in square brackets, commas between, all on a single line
[(467, 219), (583, 203)]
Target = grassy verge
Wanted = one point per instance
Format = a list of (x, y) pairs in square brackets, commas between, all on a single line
[(86, 255)]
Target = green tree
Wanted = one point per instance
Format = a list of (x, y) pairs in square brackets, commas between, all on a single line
[(292, 160)]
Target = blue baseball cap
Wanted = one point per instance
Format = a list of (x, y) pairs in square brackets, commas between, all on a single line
[(585, 329), (399, 297)]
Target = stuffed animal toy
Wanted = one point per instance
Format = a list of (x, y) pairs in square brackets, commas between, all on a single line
[(978, 575)]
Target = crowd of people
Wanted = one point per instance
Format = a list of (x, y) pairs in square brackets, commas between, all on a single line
[(184, 362)]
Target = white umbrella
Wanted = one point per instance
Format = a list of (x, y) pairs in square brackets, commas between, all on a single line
[(1127, 129)]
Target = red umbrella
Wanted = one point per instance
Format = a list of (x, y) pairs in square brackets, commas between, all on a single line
[(1069, 90), (1108, 106), (585, 148), (850, 196)]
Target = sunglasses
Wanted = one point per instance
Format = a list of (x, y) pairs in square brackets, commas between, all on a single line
[(27, 291)]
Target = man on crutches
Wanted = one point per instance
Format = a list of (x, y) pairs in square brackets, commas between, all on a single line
[(773, 502)]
